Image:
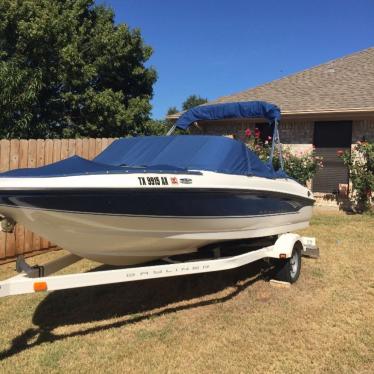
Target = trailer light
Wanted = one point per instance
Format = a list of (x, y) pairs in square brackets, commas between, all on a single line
[(282, 256), (40, 286)]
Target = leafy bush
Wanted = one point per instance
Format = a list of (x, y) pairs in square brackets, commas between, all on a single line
[(302, 166), (360, 163)]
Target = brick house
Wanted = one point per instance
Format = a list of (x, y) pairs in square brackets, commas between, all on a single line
[(330, 107)]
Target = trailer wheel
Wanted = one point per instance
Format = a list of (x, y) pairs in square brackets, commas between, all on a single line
[(288, 270)]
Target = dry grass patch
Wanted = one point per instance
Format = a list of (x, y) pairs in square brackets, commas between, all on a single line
[(231, 321)]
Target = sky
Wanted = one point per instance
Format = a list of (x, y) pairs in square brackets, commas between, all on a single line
[(216, 48)]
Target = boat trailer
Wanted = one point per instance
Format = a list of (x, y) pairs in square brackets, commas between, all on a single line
[(286, 252)]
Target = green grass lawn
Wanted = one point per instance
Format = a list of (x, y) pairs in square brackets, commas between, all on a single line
[(231, 321)]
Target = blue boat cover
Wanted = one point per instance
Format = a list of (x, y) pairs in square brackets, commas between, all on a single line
[(161, 154), (188, 152), (245, 109), (74, 165)]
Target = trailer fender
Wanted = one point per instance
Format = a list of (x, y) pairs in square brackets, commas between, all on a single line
[(284, 245)]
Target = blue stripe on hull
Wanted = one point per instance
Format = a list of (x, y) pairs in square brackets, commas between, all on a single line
[(158, 202)]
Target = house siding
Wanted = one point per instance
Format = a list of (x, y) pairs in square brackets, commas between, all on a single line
[(297, 134), (363, 128)]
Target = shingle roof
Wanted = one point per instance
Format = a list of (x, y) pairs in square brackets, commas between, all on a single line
[(341, 85)]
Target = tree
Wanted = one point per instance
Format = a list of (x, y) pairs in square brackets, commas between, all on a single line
[(192, 101), (172, 110), (67, 70), (155, 127)]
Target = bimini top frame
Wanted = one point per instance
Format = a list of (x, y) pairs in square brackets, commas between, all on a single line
[(245, 109)]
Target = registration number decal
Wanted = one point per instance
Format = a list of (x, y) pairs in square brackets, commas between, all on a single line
[(153, 181)]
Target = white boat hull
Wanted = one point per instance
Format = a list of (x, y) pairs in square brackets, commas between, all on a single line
[(127, 240), (116, 219)]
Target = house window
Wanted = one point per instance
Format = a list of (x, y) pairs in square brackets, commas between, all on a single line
[(331, 138)]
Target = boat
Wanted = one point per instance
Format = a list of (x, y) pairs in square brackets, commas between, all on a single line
[(151, 197)]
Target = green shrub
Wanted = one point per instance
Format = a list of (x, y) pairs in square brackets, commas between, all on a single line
[(360, 163), (302, 166)]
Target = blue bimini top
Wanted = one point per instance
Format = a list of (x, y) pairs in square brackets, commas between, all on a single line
[(241, 109), (161, 154)]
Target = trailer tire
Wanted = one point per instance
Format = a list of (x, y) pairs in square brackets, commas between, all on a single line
[(288, 270)]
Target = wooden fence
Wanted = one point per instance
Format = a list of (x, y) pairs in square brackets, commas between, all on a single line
[(33, 153)]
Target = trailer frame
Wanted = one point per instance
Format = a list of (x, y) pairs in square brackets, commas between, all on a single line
[(39, 277)]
